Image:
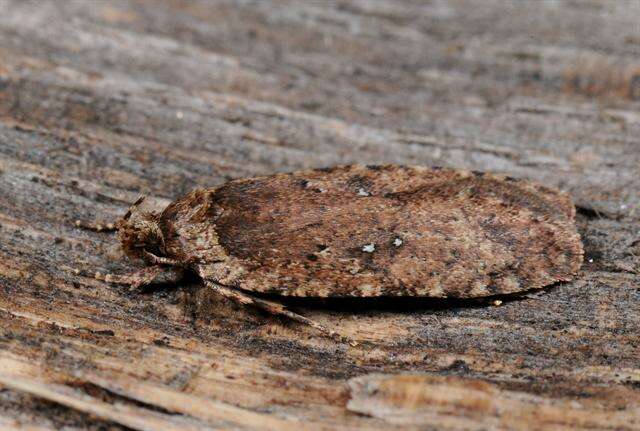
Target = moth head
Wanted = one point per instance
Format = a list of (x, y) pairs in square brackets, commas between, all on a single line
[(140, 233)]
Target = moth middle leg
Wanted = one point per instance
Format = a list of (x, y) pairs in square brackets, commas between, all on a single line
[(274, 308), (149, 275)]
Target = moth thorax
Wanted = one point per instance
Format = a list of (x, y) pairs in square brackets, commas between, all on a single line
[(141, 233)]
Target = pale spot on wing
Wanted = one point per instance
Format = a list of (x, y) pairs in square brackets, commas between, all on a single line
[(369, 248), (510, 284), (368, 289), (437, 291), (363, 192), (479, 289)]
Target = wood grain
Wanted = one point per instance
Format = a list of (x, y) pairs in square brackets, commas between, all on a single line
[(100, 102)]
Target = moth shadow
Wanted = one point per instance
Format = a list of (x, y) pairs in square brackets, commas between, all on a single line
[(401, 304), (192, 287)]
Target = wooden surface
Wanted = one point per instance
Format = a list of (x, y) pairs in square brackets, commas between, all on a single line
[(101, 101)]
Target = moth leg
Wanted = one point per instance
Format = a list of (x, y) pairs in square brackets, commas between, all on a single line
[(158, 260), (109, 227), (273, 308), (97, 227), (143, 277)]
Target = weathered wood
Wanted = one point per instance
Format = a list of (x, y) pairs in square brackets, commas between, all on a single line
[(102, 101)]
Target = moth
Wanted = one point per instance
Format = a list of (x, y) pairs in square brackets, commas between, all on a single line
[(358, 231)]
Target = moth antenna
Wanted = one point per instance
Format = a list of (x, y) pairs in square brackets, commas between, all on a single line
[(110, 227), (133, 207)]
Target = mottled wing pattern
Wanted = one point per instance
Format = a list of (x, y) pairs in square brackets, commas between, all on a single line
[(380, 231)]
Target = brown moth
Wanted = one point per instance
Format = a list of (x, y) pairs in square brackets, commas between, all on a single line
[(359, 231)]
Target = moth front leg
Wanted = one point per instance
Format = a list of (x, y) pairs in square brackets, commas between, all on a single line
[(273, 308), (146, 276), (96, 226)]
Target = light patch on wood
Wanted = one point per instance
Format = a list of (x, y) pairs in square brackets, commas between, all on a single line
[(421, 399)]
